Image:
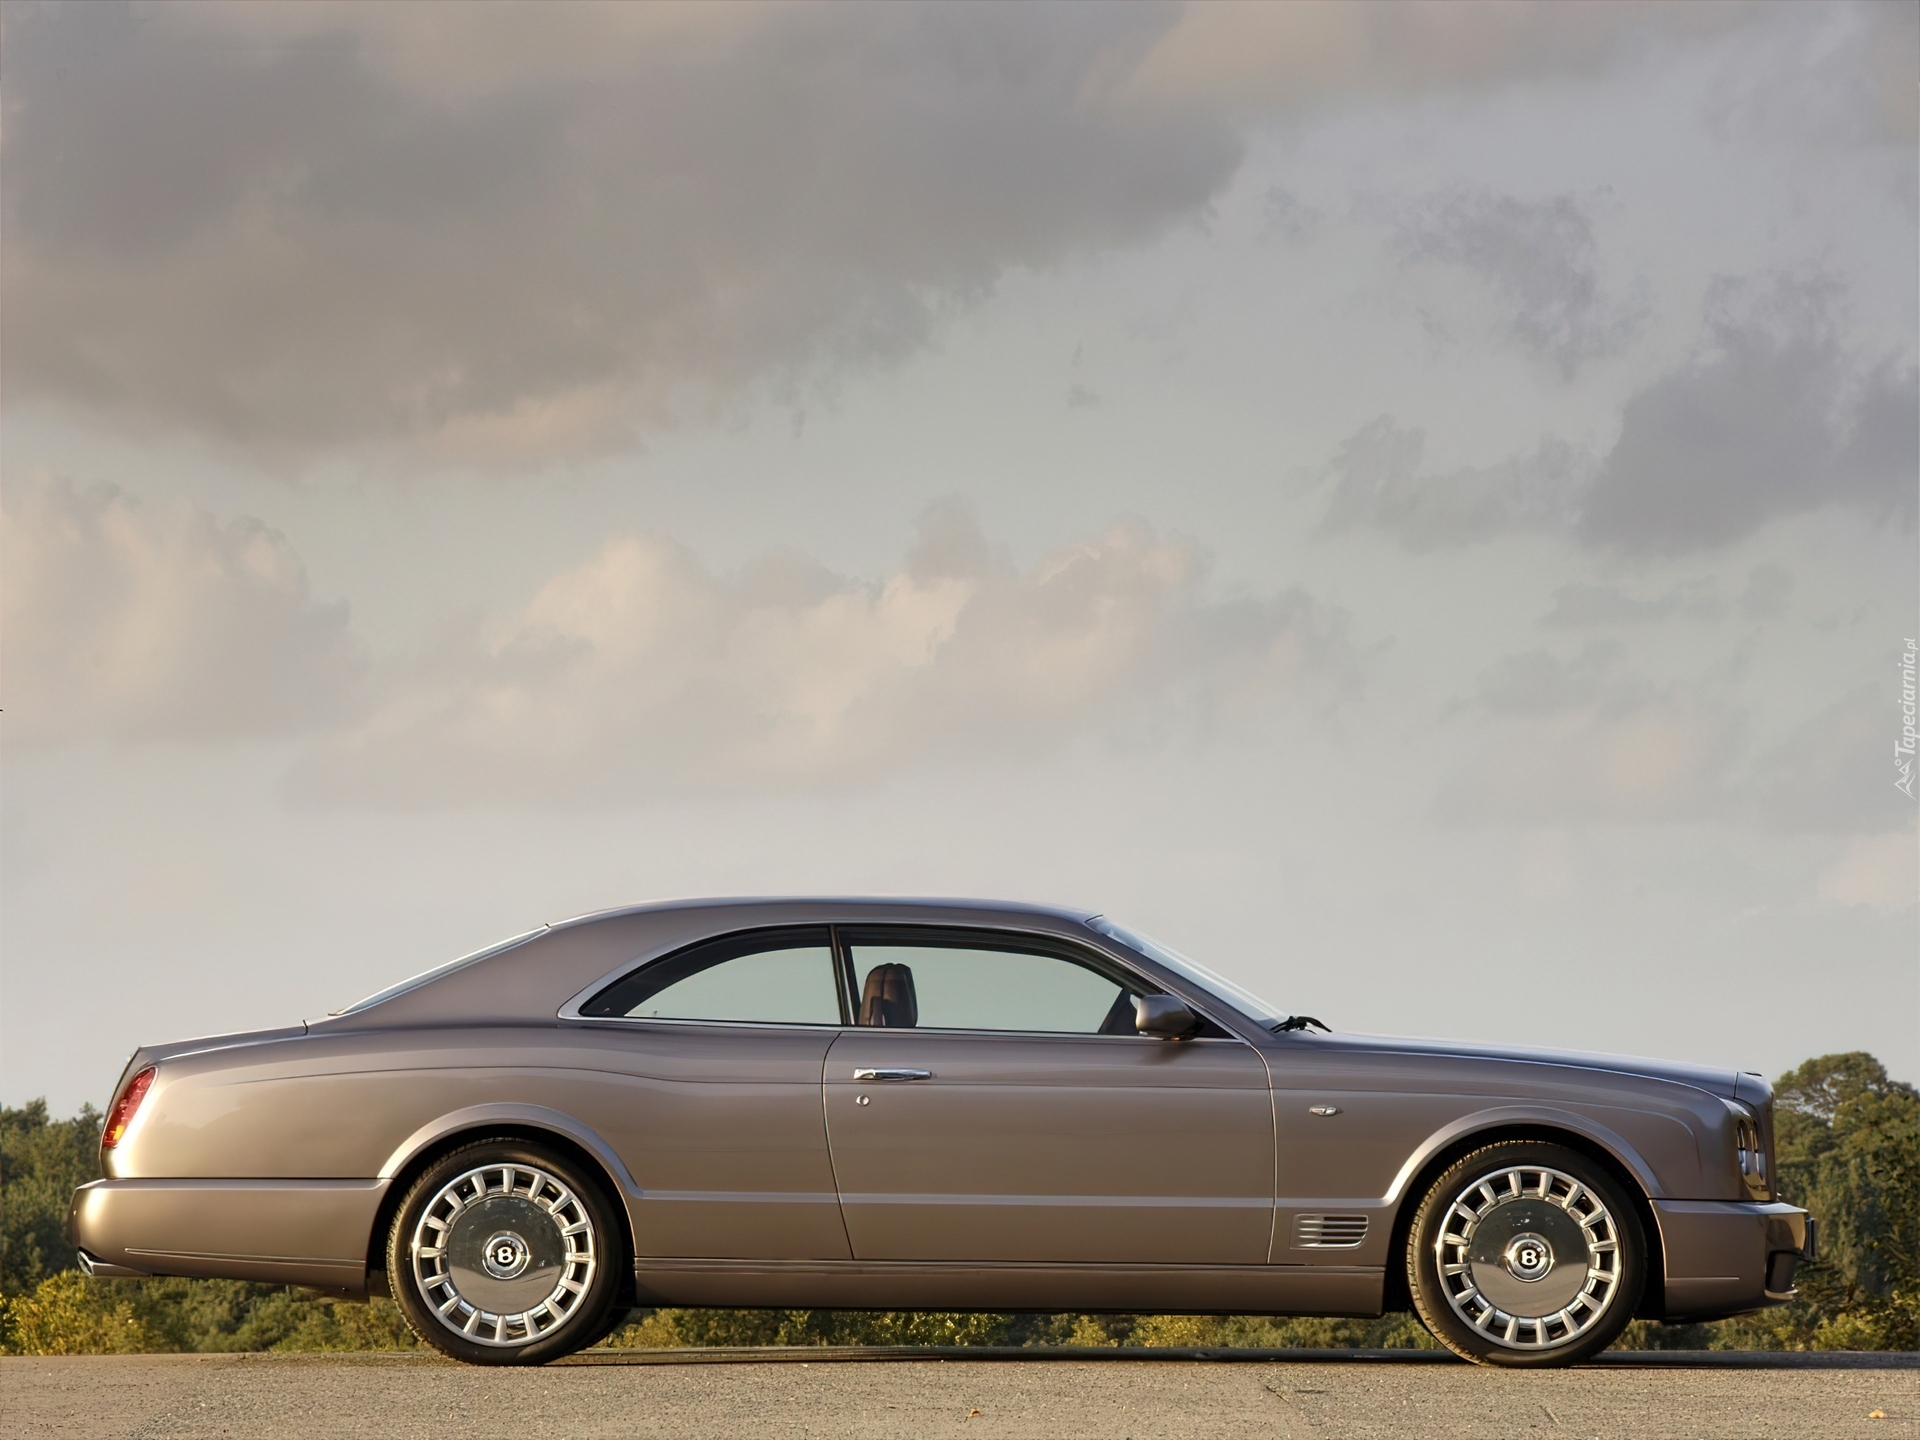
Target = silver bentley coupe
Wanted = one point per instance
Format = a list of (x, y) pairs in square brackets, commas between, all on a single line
[(932, 1105)]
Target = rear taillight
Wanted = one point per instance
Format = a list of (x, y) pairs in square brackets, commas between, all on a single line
[(125, 1108)]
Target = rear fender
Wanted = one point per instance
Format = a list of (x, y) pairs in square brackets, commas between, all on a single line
[(539, 1117)]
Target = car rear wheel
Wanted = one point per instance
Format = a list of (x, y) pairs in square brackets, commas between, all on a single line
[(505, 1253), (1526, 1255)]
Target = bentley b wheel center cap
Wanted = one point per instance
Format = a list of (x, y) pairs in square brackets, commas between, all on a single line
[(1528, 1257), (506, 1255)]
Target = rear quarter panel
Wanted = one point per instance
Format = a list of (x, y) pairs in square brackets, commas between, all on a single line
[(730, 1121)]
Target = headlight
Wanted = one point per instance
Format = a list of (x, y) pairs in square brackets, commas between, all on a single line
[(1750, 1152)]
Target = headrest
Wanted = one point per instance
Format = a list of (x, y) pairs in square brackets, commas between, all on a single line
[(888, 999)]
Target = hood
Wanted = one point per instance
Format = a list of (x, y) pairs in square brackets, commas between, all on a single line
[(1701, 1077)]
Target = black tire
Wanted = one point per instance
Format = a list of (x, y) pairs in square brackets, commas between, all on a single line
[(560, 1248), (1517, 1215)]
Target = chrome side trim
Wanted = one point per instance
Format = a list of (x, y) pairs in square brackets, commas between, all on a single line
[(1176, 1203), (740, 1197), (984, 1267), (330, 1261)]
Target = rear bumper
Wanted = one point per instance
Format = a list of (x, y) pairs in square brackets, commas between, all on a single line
[(285, 1232), (1726, 1258)]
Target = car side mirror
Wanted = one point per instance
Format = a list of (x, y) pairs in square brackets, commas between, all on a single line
[(1164, 1017)]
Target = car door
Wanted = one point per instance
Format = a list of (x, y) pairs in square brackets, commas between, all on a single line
[(993, 1102), (717, 1114)]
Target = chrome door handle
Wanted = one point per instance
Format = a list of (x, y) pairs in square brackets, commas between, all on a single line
[(864, 1074)]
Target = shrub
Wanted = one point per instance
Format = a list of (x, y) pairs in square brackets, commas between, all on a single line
[(68, 1314)]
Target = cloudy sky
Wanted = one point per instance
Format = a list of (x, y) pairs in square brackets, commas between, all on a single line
[(1412, 505)]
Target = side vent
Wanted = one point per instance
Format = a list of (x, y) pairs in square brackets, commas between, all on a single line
[(1329, 1232)]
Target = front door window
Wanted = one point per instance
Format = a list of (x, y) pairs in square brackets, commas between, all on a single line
[(959, 984)]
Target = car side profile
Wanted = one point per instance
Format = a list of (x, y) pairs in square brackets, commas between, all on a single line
[(935, 1105)]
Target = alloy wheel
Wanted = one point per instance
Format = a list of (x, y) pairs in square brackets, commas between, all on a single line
[(504, 1254), (1529, 1257)]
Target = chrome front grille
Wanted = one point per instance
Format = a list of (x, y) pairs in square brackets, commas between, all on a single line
[(1329, 1232)]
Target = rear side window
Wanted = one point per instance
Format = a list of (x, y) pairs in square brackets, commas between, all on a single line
[(765, 977)]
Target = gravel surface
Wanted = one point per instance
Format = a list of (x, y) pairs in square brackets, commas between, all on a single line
[(269, 1396)]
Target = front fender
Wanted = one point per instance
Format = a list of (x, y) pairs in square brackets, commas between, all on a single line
[(1504, 1117)]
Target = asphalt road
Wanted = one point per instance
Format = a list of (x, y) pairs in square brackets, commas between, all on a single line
[(270, 1396)]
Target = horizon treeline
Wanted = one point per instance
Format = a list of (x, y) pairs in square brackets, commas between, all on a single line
[(1847, 1140)]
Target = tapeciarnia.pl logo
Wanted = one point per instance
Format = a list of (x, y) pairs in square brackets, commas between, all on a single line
[(1903, 747)]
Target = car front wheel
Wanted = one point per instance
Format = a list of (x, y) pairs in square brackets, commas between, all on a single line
[(505, 1253), (1525, 1254)]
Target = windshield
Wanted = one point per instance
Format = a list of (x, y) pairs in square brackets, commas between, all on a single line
[(1245, 1001), (434, 974)]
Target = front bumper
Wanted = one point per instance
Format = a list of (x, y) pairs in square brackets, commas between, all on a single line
[(1727, 1258), (285, 1232)]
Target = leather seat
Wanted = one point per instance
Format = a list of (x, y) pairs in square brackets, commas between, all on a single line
[(887, 998)]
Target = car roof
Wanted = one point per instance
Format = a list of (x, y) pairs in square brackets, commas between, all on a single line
[(531, 976), (892, 907)]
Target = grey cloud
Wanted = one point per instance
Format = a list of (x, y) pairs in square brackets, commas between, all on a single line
[(1774, 418), (1538, 682), (1826, 77), (1835, 773), (1376, 484), (1768, 586), (1582, 604), (640, 671), (258, 224), (514, 233), (125, 623), (1539, 259), (1589, 739), (1662, 758), (1286, 216), (1265, 58)]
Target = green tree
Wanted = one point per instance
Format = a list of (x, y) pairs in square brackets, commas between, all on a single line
[(1847, 1147), (41, 1161)]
